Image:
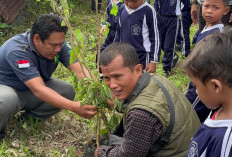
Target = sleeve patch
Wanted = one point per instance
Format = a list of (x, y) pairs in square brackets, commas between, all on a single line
[(23, 63)]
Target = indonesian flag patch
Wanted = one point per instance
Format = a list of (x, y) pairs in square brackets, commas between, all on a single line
[(23, 63)]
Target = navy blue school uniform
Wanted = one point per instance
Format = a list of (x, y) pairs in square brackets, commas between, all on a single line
[(200, 108), (213, 139), (206, 31), (138, 28), (113, 24), (184, 28), (168, 12), (195, 37)]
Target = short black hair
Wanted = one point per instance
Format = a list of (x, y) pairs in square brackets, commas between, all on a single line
[(212, 58), (226, 2), (128, 53), (46, 24)]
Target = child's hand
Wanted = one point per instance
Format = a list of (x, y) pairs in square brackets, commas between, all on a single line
[(230, 17), (103, 29), (151, 67)]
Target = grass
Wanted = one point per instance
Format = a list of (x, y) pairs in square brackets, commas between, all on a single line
[(64, 134)]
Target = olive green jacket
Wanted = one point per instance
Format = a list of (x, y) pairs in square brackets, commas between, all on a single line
[(149, 96)]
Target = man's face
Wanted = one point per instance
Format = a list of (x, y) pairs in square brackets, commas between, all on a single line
[(120, 79), (133, 4), (51, 46)]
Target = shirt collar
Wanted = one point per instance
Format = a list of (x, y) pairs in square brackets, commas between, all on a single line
[(118, 1), (130, 11), (213, 27)]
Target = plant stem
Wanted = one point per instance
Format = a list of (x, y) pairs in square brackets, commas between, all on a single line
[(99, 37), (105, 122), (98, 128), (65, 18)]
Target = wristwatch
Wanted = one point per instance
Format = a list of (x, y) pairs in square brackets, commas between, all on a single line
[(194, 2)]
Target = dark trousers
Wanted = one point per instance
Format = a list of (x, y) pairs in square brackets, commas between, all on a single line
[(94, 5), (184, 31), (168, 30)]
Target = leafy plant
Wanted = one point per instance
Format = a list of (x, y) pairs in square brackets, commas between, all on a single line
[(4, 25), (91, 90)]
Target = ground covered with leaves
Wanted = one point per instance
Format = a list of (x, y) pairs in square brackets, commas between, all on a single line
[(64, 134)]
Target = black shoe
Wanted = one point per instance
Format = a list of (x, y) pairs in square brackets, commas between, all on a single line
[(175, 61), (166, 73)]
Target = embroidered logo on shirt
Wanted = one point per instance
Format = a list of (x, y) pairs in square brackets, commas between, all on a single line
[(193, 150), (23, 63), (135, 30)]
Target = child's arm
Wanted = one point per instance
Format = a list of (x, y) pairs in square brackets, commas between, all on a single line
[(154, 40), (117, 34), (103, 29), (104, 25)]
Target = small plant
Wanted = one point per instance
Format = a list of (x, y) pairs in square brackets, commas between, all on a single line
[(90, 90), (4, 25)]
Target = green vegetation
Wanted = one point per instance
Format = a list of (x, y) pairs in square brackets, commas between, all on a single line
[(64, 134)]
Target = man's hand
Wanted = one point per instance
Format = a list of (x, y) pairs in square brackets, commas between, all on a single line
[(48, 95), (86, 111), (194, 13), (103, 29), (151, 67)]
